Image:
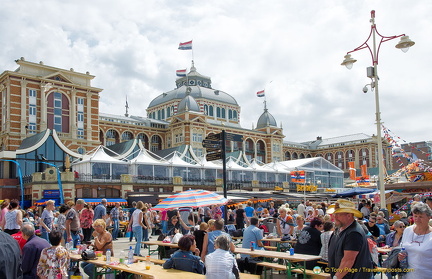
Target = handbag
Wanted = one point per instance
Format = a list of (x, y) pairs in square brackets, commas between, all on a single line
[(176, 238), (88, 255)]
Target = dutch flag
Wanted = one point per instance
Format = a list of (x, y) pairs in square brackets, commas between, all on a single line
[(261, 93), (185, 46), (181, 73)]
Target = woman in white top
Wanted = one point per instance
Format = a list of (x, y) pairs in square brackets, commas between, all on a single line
[(325, 239), (284, 223), (417, 241), (137, 226), (300, 225), (13, 218)]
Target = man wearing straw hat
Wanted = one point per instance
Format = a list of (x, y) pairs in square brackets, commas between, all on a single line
[(349, 255)]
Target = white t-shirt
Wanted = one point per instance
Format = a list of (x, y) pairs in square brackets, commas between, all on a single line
[(419, 249)]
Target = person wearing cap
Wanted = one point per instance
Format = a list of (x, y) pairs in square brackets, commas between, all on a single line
[(348, 251), (284, 223)]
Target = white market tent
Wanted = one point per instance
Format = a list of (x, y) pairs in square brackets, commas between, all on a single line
[(144, 166), (101, 166)]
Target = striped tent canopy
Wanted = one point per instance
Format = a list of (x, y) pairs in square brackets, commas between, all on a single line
[(191, 198)]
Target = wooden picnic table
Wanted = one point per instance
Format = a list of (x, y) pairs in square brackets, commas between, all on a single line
[(159, 243), (279, 241), (291, 261)]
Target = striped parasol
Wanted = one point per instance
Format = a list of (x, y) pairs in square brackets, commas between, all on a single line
[(191, 198)]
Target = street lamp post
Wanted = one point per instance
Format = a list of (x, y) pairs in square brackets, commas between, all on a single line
[(372, 72)]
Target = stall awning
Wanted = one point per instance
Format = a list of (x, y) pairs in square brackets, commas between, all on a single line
[(43, 202), (110, 202)]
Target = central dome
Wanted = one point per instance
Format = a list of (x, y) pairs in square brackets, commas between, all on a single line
[(200, 88)]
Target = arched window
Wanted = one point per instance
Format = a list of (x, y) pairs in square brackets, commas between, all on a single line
[(364, 157), (223, 113), (287, 156), (112, 137), (127, 136), (340, 160), (230, 114), (329, 157), (156, 143), (210, 111), (218, 112)]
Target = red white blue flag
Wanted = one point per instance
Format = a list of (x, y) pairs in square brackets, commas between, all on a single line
[(261, 93), (185, 46), (298, 176), (181, 73)]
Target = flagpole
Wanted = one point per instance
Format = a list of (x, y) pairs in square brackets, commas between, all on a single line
[(192, 52)]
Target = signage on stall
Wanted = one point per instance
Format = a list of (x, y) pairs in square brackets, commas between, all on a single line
[(51, 194)]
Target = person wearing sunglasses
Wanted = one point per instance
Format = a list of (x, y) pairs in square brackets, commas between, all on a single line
[(372, 227), (394, 238), (417, 241)]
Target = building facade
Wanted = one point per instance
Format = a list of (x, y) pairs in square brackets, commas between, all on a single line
[(52, 115)]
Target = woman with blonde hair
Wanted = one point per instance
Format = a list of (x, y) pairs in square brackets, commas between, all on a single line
[(199, 235), (102, 242), (300, 225)]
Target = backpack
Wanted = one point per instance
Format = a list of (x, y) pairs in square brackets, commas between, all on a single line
[(237, 233)]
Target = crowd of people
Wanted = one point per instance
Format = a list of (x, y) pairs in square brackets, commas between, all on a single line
[(343, 234)]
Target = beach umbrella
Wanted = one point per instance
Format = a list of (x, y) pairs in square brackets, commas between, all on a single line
[(191, 198)]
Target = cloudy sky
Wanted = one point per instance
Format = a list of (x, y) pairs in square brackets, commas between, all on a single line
[(293, 49)]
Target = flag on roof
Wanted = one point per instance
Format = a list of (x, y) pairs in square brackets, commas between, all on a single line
[(185, 46), (261, 93), (181, 73)]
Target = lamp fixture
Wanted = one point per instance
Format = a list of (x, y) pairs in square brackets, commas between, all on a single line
[(405, 43), (348, 61)]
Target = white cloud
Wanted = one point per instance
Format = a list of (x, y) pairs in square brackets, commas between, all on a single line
[(131, 47)]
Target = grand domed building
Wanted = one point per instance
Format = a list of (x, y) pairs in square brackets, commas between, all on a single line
[(51, 125)]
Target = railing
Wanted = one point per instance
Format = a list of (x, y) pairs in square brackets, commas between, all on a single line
[(97, 178)]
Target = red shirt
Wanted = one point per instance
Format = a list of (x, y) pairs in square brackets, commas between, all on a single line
[(21, 241)]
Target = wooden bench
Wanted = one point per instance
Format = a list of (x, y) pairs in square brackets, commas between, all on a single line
[(271, 266), (310, 273), (248, 276), (322, 262)]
